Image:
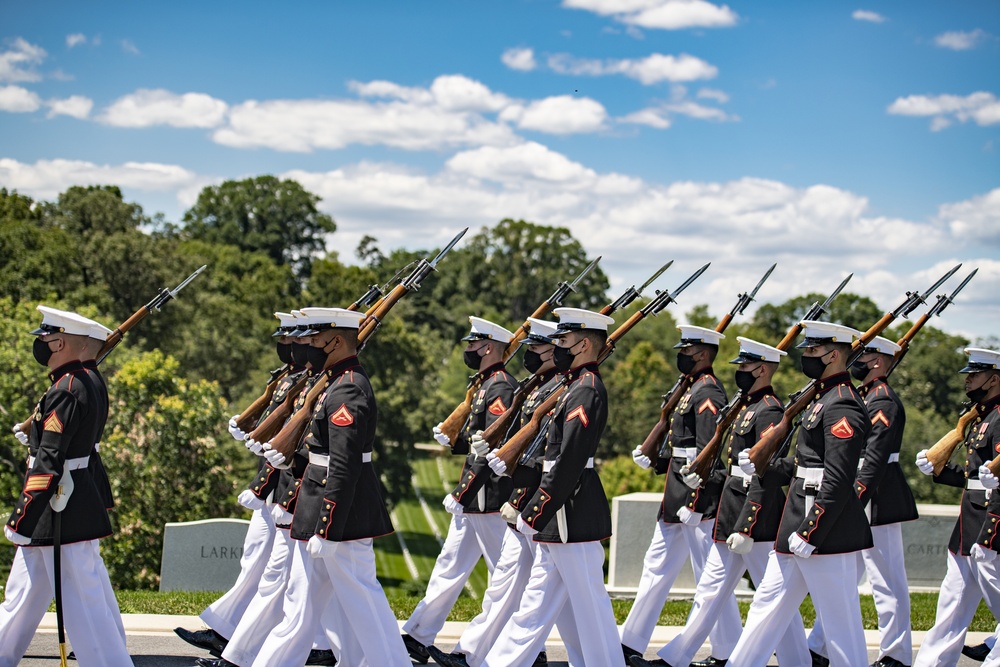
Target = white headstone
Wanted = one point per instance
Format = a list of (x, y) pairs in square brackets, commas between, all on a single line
[(202, 555)]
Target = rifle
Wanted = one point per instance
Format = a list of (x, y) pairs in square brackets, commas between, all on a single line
[(452, 425), (116, 336), (499, 428), (651, 445), (702, 464), (287, 439), (512, 450), (762, 452)]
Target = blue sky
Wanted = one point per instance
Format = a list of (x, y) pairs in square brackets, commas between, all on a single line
[(829, 137)]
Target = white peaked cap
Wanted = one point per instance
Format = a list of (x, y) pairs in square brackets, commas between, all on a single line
[(981, 360), (692, 335), (541, 332), (882, 346), (286, 320), (486, 330), (751, 351), (821, 333), (578, 319), (321, 319), (64, 321)]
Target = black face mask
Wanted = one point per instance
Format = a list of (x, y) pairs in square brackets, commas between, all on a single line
[(563, 358), (685, 363), (859, 371), (745, 380), (813, 367), (285, 352), (42, 351), (977, 395), (532, 361), (472, 359), (299, 354), (316, 357)]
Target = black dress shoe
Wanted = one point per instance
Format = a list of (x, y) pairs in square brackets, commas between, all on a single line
[(639, 661), (888, 662), (628, 652), (541, 659), (447, 659), (416, 650), (210, 640), (321, 657), (818, 660), (709, 662), (977, 653), (71, 656), (214, 662)]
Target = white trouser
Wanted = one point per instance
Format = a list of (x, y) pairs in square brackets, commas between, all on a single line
[(723, 571), (224, 614), (993, 659), (501, 601), (830, 581), (562, 575), (470, 536), (671, 545), (342, 593), (91, 624), (965, 584)]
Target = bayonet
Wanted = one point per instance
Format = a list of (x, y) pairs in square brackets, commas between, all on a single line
[(915, 298), (655, 276), (944, 301), (664, 298), (631, 294), (172, 294), (744, 299)]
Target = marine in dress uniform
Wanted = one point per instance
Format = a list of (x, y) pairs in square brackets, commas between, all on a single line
[(568, 515), (823, 524), (747, 520), (971, 574), (476, 528), (68, 422), (517, 551), (685, 520), (338, 512)]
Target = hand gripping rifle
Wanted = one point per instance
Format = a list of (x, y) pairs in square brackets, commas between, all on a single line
[(762, 452), (512, 450), (116, 336), (651, 445), (702, 464), (287, 439), (498, 429), (247, 420), (452, 425)]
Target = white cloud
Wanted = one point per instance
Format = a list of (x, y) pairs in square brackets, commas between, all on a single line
[(867, 15), (128, 46), (981, 107), (958, 40), (18, 100), (76, 106), (563, 114), (145, 108), (75, 39), (719, 96), (975, 220), (45, 179), (19, 61), (659, 116), (520, 59), (661, 14), (649, 70)]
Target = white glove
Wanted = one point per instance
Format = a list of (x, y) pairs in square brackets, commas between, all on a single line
[(274, 457), (452, 505), (524, 528), (21, 436), (692, 479), (739, 543), (254, 446), (441, 438), (800, 547), (234, 430), (16, 538), (688, 517), (509, 513), (249, 500), (641, 459), (989, 480), (479, 446), (743, 461), (923, 464), (281, 516), (317, 547), (981, 554), (496, 463)]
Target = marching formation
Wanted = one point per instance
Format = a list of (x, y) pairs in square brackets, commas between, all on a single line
[(805, 497)]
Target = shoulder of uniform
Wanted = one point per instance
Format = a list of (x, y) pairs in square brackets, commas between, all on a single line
[(771, 401)]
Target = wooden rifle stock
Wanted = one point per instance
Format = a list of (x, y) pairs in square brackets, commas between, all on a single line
[(651, 445), (247, 419), (494, 435), (942, 450), (287, 439), (268, 428), (514, 448), (702, 464)]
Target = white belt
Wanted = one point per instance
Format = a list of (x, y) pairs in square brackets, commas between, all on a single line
[(974, 485), (737, 471), (813, 476), (324, 459), (547, 466), (71, 464), (688, 453), (894, 458)]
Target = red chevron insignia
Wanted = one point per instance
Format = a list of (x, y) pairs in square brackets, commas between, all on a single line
[(497, 407), (342, 417), (579, 412), (708, 405), (880, 417), (842, 429)]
